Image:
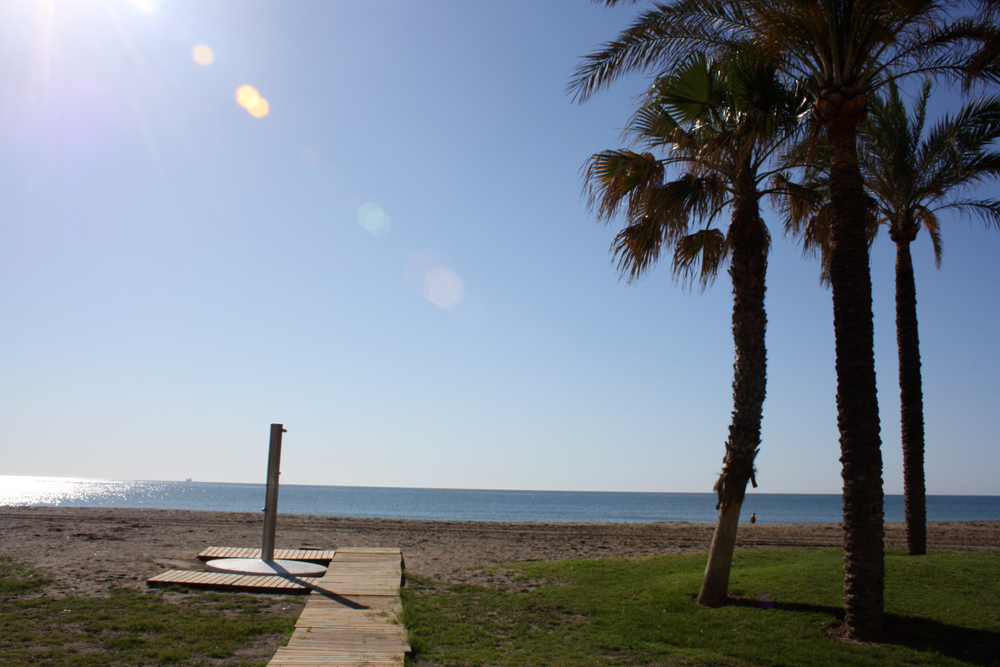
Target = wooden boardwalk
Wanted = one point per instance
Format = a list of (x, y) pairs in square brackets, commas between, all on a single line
[(352, 616)]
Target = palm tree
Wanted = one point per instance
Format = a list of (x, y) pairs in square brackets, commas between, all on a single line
[(912, 178), (841, 51), (720, 122)]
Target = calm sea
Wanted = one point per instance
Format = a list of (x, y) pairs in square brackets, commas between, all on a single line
[(461, 504)]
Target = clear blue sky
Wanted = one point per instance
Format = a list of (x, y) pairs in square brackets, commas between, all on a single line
[(176, 274)]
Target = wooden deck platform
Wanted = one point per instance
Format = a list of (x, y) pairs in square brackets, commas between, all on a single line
[(243, 582), (351, 617), (310, 555)]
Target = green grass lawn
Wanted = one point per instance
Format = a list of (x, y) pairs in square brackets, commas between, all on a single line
[(131, 627), (943, 609)]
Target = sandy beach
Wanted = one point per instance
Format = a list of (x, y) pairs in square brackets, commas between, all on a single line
[(89, 551)]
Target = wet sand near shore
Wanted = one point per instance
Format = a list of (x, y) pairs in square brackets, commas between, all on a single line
[(88, 551)]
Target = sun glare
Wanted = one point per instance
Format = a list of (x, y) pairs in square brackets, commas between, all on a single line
[(251, 100), (147, 6), (203, 55)]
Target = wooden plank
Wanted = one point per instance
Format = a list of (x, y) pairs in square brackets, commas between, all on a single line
[(299, 658), (295, 659), (286, 652), (230, 580), (328, 617), (326, 622), (307, 657), (356, 592), (366, 572), (358, 601), (346, 585), (318, 653), (326, 651), (320, 622), (346, 642), (378, 634), (349, 642), (326, 654), (318, 555), (358, 654), (362, 629)]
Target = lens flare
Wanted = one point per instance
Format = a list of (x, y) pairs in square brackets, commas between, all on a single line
[(251, 100), (203, 55), (443, 288), (373, 218)]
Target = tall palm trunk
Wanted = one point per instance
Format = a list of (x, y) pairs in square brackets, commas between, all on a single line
[(911, 397), (749, 239), (857, 400)]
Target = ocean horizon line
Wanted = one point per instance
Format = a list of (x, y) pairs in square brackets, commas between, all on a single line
[(543, 506), (453, 488)]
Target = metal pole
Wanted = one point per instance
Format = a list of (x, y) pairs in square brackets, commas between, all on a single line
[(271, 501)]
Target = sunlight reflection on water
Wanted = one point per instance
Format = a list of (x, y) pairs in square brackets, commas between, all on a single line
[(64, 491)]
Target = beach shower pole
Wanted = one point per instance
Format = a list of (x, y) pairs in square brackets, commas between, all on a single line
[(271, 498), (266, 565)]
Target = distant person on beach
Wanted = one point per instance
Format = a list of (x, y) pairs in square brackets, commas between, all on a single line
[(753, 517)]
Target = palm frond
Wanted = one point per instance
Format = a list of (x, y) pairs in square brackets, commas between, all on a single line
[(699, 256), (659, 37), (636, 248), (621, 178), (987, 210), (797, 203), (930, 222)]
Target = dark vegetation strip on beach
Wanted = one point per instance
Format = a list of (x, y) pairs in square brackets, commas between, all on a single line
[(135, 628), (942, 609)]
